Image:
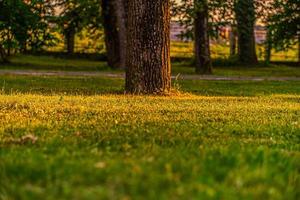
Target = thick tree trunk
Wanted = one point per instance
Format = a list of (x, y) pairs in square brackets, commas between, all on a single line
[(245, 16), (148, 47), (70, 40), (233, 41), (114, 22), (202, 48)]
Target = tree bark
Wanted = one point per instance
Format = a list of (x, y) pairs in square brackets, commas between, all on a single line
[(114, 22), (148, 47), (245, 16), (202, 48)]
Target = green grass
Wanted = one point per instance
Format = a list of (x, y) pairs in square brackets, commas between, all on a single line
[(255, 71), (98, 85), (26, 62), (52, 63), (222, 51), (79, 138)]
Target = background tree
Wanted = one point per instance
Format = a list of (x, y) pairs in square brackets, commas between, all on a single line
[(284, 25), (75, 16), (148, 42), (24, 25), (202, 19), (114, 23), (202, 44), (246, 17)]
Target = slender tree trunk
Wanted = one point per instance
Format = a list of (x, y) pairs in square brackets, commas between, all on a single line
[(299, 48), (23, 46), (3, 57), (9, 43), (233, 41), (148, 47), (121, 25), (202, 48), (114, 22), (245, 16), (70, 40), (268, 48)]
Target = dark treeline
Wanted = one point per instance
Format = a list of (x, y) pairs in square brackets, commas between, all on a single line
[(137, 31)]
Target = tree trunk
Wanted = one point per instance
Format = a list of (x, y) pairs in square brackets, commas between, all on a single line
[(148, 47), (202, 48), (3, 57), (245, 16), (23, 46), (233, 41), (9, 43), (299, 48), (114, 22), (70, 40), (268, 48)]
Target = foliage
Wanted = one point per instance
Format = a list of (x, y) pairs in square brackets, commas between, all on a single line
[(76, 15), (284, 23), (219, 15), (222, 13), (25, 24)]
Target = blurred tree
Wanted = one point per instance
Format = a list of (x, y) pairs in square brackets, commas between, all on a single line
[(24, 24), (284, 25), (114, 22), (246, 16), (203, 19), (76, 15), (148, 41), (202, 44), (40, 24)]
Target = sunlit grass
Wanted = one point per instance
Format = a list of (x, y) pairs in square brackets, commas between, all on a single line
[(178, 147), (82, 138)]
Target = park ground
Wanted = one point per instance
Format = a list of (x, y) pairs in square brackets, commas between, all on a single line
[(79, 137)]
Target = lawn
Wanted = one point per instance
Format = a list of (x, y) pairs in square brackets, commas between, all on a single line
[(46, 63), (222, 50), (81, 138)]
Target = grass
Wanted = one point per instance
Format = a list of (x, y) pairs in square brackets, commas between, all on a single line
[(79, 138), (255, 71), (29, 62), (222, 51), (99, 85), (82, 138)]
